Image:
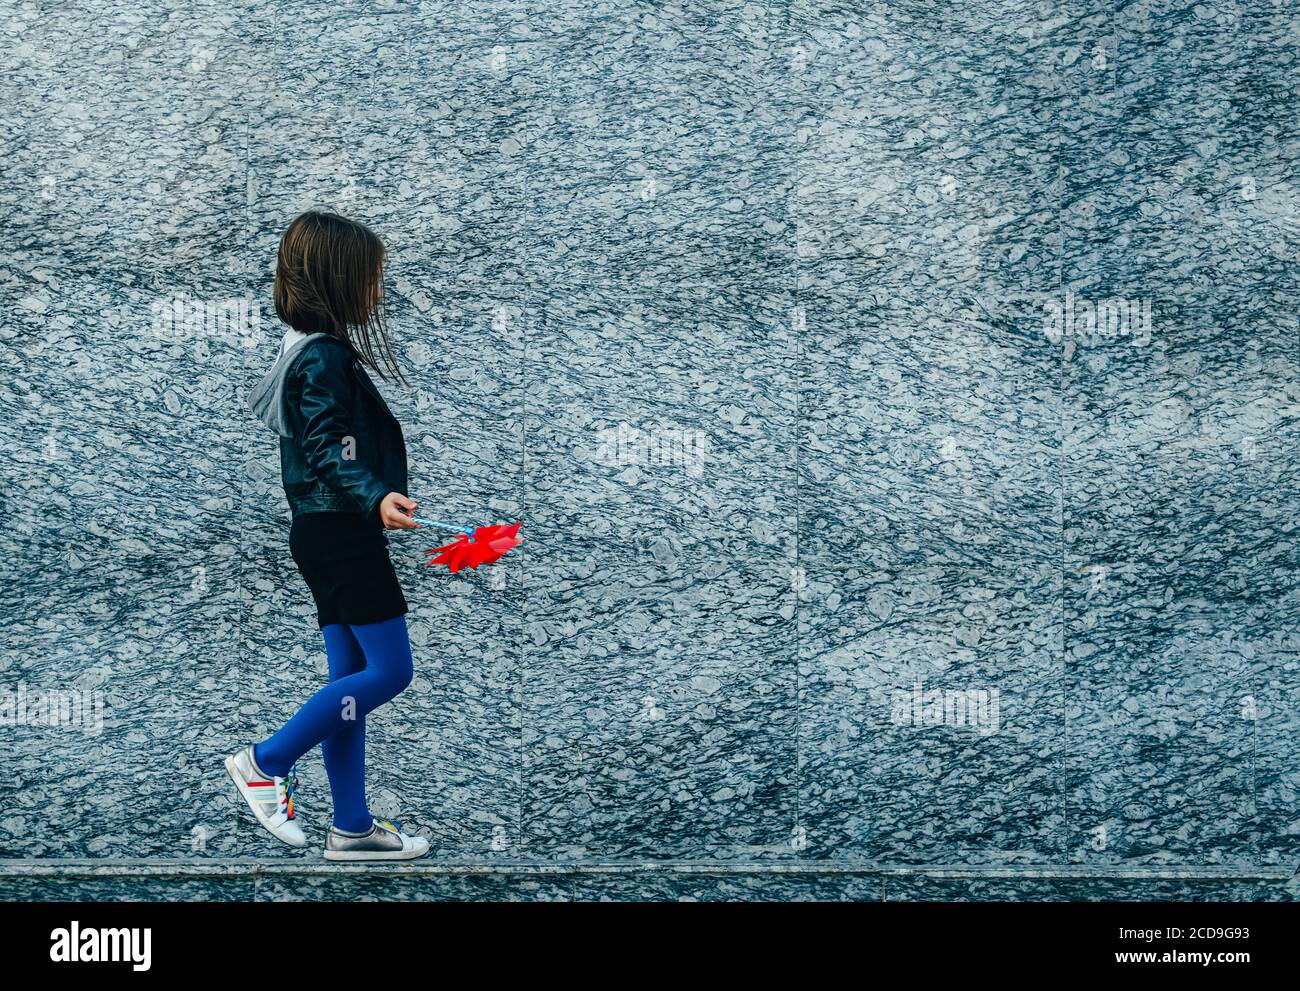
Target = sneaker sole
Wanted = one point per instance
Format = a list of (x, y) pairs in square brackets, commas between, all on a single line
[(376, 855), (253, 805)]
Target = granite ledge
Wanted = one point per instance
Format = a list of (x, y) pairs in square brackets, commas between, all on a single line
[(233, 867)]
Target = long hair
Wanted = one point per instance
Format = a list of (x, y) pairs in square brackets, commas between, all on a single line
[(329, 277)]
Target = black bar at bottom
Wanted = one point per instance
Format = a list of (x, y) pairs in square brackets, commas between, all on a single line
[(926, 940)]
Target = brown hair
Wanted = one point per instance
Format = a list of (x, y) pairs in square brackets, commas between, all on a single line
[(329, 278)]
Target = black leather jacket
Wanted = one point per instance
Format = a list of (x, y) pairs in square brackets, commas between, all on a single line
[(347, 450)]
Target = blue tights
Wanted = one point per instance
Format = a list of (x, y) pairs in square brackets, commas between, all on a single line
[(369, 665)]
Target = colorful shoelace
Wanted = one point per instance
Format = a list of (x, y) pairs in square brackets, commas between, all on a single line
[(290, 786)]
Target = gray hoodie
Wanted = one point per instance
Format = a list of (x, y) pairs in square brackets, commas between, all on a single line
[(267, 397)]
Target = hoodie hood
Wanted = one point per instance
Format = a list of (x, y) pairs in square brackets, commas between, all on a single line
[(267, 397)]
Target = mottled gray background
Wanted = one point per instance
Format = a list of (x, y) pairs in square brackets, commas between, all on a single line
[(816, 238)]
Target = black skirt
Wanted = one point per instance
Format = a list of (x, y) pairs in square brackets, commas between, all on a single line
[(344, 560)]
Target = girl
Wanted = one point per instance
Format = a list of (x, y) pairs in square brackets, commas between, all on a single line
[(343, 464)]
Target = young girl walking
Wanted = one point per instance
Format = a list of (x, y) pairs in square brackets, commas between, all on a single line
[(343, 465)]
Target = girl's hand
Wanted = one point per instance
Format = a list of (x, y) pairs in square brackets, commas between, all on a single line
[(395, 512)]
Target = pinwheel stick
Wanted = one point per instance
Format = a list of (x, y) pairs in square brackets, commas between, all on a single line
[(443, 526)]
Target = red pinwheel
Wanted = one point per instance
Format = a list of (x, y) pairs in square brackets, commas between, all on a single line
[(489, 543)]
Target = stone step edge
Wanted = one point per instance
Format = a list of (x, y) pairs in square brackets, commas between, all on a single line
[(233, 867)]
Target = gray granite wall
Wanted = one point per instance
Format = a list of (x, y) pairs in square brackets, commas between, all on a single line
[(747, 310)]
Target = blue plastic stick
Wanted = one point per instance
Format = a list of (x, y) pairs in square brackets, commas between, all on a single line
[(468, 531)]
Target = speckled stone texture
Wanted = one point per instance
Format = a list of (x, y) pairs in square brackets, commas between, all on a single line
[(745, 309)]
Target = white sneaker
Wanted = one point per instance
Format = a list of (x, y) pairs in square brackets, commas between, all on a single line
[(270, 798), (384, 841)]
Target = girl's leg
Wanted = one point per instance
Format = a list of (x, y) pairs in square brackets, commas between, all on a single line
[(340, 704), (344, 753)]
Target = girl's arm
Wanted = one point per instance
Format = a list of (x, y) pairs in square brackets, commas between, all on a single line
[(324, 386)]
